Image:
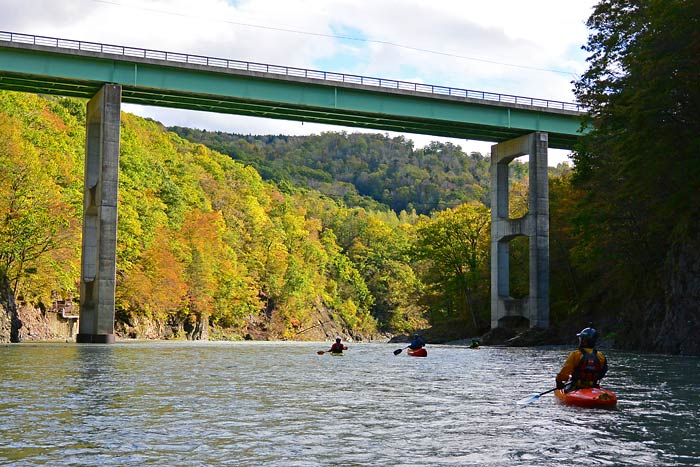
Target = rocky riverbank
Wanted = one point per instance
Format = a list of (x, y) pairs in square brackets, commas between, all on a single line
[(27, 323)]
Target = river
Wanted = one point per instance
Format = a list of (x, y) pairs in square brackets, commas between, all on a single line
[(281, 404)]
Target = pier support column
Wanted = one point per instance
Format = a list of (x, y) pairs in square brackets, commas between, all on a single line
[(99, 248), (534, 225)]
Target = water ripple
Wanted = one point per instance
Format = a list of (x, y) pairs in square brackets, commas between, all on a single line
[(280, 404)]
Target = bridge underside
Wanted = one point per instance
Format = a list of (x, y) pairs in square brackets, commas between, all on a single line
[(149, 82), (241, 106)]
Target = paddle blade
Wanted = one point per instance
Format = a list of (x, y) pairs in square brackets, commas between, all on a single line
[(397, 351), (529, 399), (320, 352)]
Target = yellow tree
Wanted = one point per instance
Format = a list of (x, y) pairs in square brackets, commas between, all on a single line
[(453, 248), (156, 284), (35, 220), (201, 235)]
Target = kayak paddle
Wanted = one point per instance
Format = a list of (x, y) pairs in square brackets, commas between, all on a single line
[(534, 397), (398, 351), (321, 352)]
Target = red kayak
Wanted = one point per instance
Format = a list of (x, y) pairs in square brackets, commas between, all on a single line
[(590, 397), (418, 353)]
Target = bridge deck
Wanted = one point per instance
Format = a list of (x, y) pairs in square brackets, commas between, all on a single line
[(73, 68)]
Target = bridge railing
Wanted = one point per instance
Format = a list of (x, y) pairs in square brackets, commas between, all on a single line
[(283, 70)]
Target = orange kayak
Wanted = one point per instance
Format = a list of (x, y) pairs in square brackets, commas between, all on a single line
[(418, 353), (590, 397)]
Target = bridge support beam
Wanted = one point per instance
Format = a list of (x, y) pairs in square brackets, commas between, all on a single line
[(534, 225), (98, 264)]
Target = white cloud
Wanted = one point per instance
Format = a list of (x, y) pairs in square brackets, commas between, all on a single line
[(499, 46)]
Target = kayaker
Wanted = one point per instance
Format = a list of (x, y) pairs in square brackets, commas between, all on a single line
[(584, 367), (416, 343), (474, 344), (337, 347)]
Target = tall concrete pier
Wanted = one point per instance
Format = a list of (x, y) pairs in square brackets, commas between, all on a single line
[(98, 265), (534, 225)]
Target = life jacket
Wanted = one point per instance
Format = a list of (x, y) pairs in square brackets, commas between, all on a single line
[(337, 347), (589, 370), (416, 344)]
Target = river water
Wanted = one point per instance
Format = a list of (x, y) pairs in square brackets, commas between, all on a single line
[(281, 404)]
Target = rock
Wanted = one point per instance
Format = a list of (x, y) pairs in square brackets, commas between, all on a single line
[(534, 337), (681, 313), (497, 336), (400, 339), (44, 325)]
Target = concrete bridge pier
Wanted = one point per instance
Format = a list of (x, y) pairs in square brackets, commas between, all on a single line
[(99, 248), (535, 225)]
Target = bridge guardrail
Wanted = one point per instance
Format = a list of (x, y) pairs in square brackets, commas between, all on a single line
[(284, 70)]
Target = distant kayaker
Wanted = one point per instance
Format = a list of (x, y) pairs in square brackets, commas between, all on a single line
[(585, 367), (337, 347), (416, 343), (474, 344)]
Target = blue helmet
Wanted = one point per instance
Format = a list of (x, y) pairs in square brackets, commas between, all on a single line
[(337, 339), (588, 337)]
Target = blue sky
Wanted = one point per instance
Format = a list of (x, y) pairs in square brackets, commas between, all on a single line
[(514, 47)]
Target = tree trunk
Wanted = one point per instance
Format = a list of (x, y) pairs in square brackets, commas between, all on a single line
[(9, 320)]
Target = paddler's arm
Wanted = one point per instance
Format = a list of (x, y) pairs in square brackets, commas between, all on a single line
[(568, 369)]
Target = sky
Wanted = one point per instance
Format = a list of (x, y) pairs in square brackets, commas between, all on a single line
[(530, 49)]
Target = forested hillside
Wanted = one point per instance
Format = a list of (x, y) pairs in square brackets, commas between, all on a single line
[(204, 240), (363, 169)]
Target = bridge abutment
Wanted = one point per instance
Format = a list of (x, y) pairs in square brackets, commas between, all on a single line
[(98, 263), (534, 225)]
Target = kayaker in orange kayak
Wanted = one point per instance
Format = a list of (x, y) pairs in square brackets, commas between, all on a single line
[(417, 347), (417, 343), (585, 367), (337, 347)]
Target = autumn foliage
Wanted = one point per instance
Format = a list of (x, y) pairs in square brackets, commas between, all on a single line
[(204, 238)]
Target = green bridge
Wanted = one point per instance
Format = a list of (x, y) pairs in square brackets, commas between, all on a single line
[(110, 74)]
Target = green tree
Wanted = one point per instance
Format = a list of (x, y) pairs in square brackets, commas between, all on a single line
[(453, 247), (639, 166)]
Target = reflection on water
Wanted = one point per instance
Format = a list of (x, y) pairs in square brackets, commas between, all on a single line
[(280, 404)]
